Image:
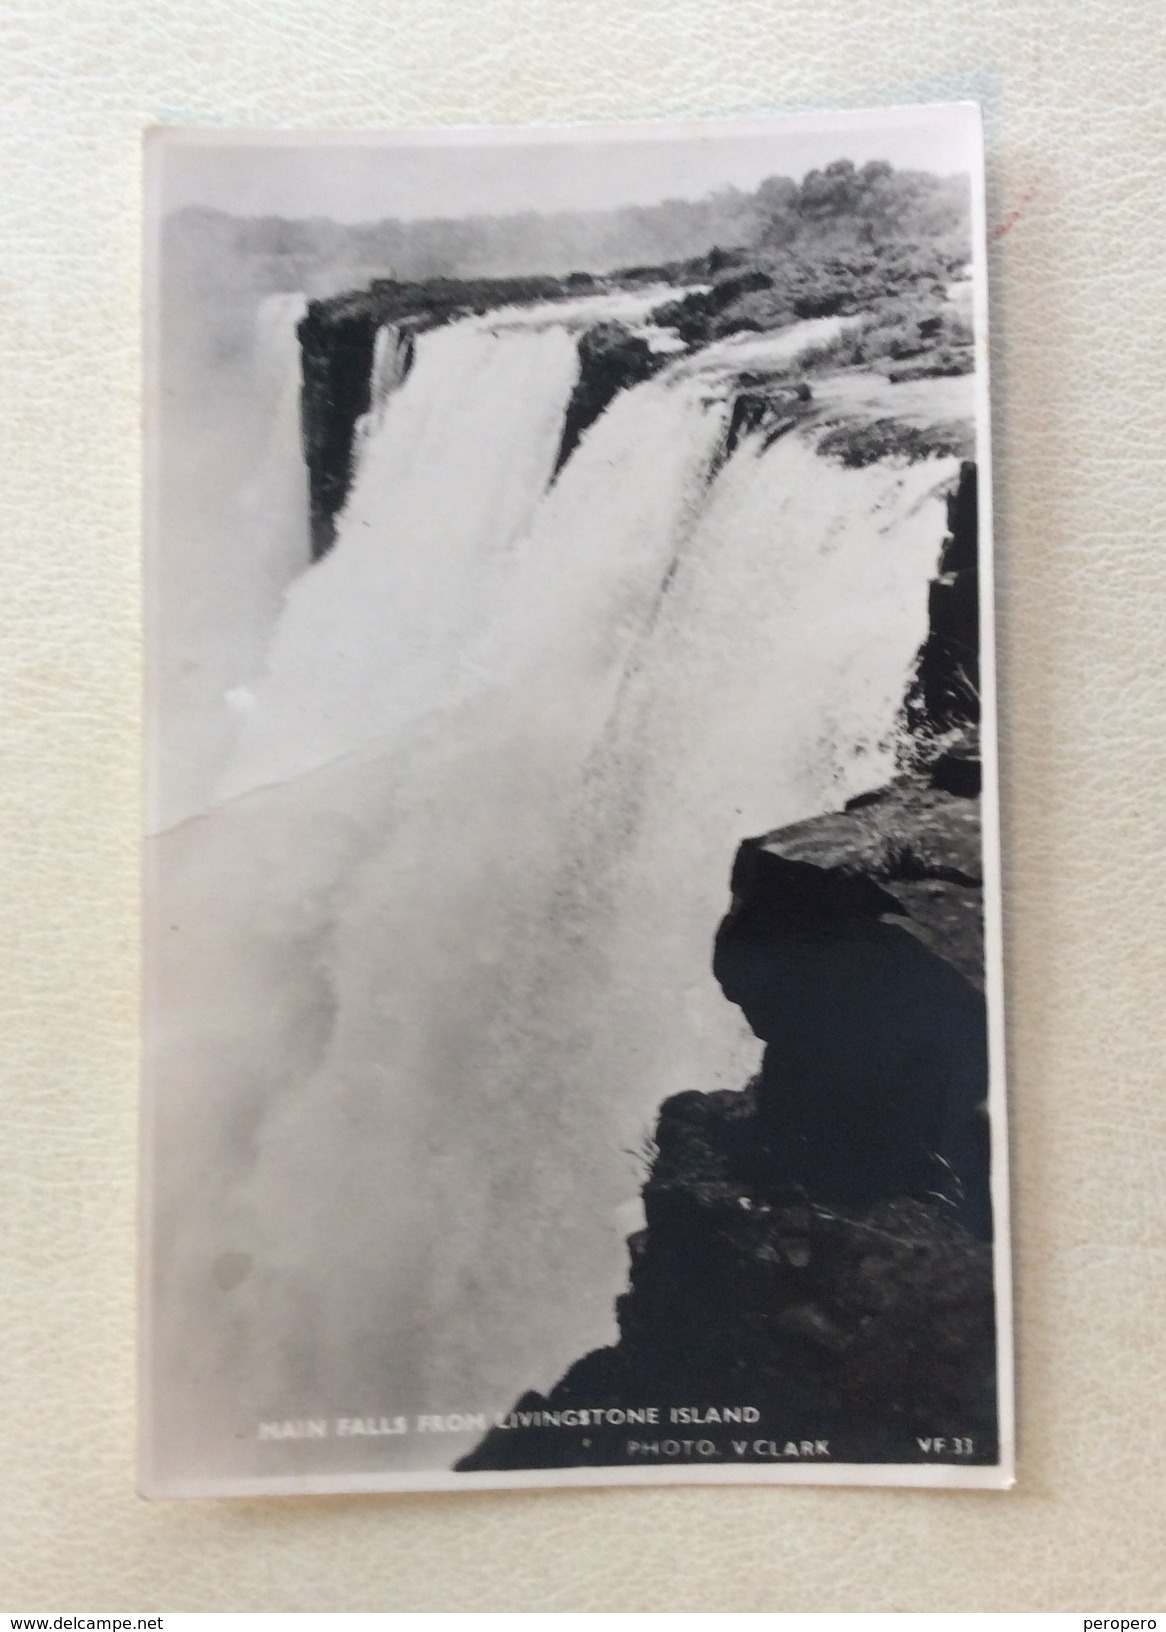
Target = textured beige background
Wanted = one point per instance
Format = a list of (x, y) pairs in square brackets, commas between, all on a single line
[(1076, 126)]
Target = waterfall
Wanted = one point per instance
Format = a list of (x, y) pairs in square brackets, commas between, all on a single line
[(369, 638), (392, 358), (445, 943)]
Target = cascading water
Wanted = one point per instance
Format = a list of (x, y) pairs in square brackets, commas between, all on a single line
[(392, 358), (445, 945), (445, 485)]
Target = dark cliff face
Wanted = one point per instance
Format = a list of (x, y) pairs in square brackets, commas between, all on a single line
[(610, 360), (336, 357), (818, 1244), (854, 950), (944, 697)]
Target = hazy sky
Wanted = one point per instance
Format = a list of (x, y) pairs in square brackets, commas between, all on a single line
[(454, 173)]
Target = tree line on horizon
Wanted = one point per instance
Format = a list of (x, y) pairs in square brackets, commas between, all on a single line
[(839, 208)]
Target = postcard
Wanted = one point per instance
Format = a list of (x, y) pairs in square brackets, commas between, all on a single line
[(573, 1023)]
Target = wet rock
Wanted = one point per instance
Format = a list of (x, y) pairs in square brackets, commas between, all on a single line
[(611, 359), (336, 352), (944, 696), (854, 948)]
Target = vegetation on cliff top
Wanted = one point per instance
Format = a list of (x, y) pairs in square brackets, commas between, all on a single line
[(845, 241)]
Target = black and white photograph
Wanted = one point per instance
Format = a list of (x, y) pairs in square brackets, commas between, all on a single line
[(574, 1041)]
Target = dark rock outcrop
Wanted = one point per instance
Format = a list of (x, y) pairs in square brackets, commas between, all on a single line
[(336, 355), (944, 697), (854, 949), (867, 1326), (694, 316), (611, 358), (818, 1246), (859, 442), (767, 409)]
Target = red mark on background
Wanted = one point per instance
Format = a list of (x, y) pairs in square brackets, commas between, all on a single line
[(1010, 219)]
